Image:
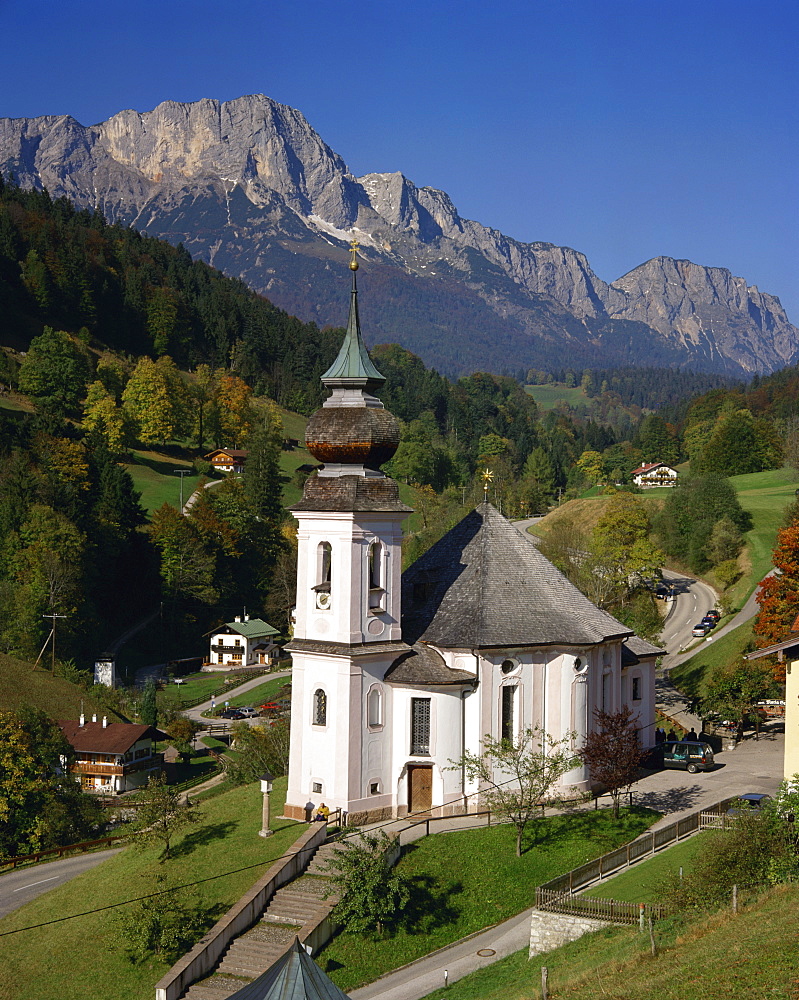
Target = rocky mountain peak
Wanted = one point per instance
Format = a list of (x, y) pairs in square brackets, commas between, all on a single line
[(251, 187)]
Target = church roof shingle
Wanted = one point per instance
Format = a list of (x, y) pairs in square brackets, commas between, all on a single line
[(484, 585), (422, 665)]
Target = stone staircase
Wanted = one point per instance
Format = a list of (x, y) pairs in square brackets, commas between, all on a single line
[(299, 904)]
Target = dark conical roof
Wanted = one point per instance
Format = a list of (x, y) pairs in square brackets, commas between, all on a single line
[(294, 976), (484, 584)]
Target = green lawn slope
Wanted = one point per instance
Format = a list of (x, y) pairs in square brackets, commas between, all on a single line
[(85, 956), (765, 495), (718, 957), (462, 882), (21, 685)]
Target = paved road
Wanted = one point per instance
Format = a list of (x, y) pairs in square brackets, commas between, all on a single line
[(693, 599), (196, 713), (20, 886)]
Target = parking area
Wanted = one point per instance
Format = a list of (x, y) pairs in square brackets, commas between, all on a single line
[(753, 766)]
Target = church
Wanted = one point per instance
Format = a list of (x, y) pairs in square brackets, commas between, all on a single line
[(396, 674)]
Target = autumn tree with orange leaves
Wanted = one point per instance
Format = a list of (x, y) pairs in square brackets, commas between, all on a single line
[(778, 596)]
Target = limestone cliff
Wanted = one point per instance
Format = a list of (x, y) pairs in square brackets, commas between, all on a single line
[(249, 186)]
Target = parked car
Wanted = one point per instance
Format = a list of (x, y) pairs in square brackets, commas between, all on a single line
[(709, 623), (700, 629), (248, 712), (231, 713), (715, 615), (749, 800), (270, 708), (686, 756)]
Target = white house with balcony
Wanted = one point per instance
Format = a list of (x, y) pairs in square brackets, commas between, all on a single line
[(653, 474), (112, 757), (244, 642)]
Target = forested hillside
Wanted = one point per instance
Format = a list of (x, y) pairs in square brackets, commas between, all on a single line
[(119, 341)]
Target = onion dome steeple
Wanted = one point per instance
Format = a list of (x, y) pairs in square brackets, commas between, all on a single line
[(353, 434)]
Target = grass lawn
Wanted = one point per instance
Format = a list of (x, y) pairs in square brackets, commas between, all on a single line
[(86, 953), (765, 495), (261, 694), (690, 677), (21, 685), (548, 396), (153, 475), (462, 882), (719, 957), (202, 685), (641, 883)]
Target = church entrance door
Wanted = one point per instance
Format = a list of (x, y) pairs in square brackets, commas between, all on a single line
[(420, 788)]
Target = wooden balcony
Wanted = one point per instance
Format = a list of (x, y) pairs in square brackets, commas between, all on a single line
[(129, 767)]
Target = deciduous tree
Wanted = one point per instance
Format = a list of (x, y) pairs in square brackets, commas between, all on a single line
[(162, 812), (778, 596), (372, 893), (41, 804), (733, 691), (55, 370), (612, 752), (515, 776)]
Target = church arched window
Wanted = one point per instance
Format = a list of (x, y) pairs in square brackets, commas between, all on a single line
[(374, 708), (319, 708), (324, 554), (377, 590)]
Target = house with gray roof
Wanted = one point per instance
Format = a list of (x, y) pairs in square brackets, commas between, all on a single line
[(396, 675)]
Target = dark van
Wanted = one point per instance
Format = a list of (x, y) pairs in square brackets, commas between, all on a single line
[(691, 757)]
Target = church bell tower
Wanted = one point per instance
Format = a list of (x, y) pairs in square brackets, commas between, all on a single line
[(347, 629)]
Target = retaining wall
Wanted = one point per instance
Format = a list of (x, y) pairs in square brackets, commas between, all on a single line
[(551, 930)]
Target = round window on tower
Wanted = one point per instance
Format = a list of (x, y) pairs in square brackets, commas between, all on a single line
[(508, 666)]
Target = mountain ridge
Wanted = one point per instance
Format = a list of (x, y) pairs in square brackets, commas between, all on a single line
[(249, 186)]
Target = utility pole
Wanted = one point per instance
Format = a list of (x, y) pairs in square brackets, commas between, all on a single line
[(54, 617), (181, 473)]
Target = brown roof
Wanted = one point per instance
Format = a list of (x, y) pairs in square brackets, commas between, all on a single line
[(117, 737), (232, 452), (648, 468)]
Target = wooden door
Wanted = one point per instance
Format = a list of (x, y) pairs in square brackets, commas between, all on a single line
[(420, 789)]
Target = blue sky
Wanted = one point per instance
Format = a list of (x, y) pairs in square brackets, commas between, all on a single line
[(624, 128)]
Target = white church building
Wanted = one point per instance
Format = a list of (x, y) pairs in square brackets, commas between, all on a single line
[(396, 675)]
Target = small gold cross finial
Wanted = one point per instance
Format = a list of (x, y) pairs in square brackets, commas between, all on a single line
[(487, 476), (354, 251)]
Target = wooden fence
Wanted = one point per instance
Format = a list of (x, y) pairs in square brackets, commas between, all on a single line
[(59, 852), (644, 846), (613, 910)]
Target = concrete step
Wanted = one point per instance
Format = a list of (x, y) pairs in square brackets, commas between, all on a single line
[(213, 989), (254, 951)]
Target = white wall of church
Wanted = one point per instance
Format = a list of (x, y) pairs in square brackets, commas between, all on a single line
[(445, 744)]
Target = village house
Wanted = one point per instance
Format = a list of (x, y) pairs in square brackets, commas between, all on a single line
[(112, 757), (244, 642), (227, 459), (654, 474)]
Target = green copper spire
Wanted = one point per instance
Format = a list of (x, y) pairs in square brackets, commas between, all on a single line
[(353, 366)]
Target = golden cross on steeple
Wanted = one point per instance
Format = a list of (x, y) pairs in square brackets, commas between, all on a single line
[(487, 476), (354, 244)]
